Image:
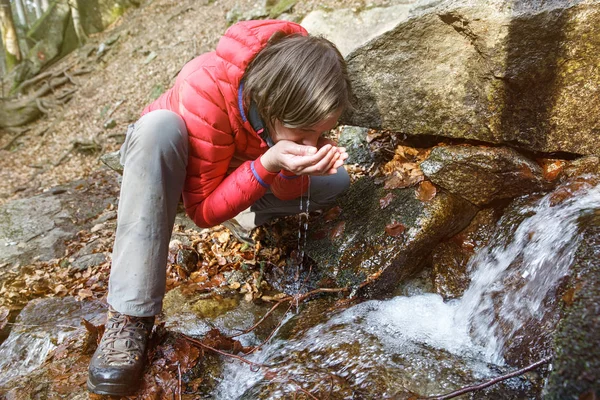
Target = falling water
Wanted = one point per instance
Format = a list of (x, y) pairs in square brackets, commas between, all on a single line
[(303, 222), (532, 261), (421, 343)]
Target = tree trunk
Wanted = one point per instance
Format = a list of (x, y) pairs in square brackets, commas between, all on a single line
[(81, 36), (45, 6), (38, 9), (9, 36), (21, 13)]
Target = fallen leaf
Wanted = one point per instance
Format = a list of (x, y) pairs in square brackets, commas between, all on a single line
[(569, 296), (332, 214), (386, 200), (223, 237), (400, 182), (551, 168), (426, 191), (395, 229), (337, 230), (85, 293), (4, 311)]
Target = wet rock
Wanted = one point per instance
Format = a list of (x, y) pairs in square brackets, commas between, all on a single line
[(482, 174), (350, 29), (362, 352), (187, 258), (581, 166), (509, 72), (88, 261), (451, 257), (194, 313), (40, 327), (354, 139), (576, 366), (363, 245)]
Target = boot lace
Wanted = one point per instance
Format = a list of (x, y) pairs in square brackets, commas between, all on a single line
[(124, 340)]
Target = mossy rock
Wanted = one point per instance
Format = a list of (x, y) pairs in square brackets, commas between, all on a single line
[(375, 248), (576, 366)]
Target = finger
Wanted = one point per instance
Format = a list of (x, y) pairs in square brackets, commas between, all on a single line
[(302, 163), (333, 161), (320, 166)]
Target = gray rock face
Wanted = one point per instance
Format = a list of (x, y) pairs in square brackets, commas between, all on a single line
[(354, 139), (500, 72), (349, 29), (482, 174), (88, 261), (37, 227)]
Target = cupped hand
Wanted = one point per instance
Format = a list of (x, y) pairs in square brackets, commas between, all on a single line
[(304, 160)]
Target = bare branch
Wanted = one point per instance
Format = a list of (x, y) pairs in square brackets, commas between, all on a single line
[(491, 382)]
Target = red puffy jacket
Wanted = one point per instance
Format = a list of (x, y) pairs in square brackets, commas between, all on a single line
[(224, 172)]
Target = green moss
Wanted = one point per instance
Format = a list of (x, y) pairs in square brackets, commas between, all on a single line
[(280, 7)]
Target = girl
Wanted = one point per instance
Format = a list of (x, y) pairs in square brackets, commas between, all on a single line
[(235, 135)]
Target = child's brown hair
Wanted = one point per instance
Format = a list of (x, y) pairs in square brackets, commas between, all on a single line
[(298, 80)]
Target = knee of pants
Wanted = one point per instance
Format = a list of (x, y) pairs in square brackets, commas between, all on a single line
[(325, 189), (160, 131)]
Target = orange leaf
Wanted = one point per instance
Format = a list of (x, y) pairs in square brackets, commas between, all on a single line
[(337, 231), (426, 191), (395, 229), (551, 168), (85, 293), (332, 214)]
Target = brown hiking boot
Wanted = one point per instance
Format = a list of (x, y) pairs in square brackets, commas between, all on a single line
[(117, 365)]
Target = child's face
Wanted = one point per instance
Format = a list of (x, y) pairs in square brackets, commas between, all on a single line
[(305, 136)]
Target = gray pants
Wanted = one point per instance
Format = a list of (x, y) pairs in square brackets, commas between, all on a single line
[(154, 155)]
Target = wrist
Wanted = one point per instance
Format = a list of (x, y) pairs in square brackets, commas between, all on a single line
[(268, 163)]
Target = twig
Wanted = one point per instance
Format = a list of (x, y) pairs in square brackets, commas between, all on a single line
[(15, 137), (256, 348), (179, 375), (491, 382), (224, 353), (290, 298), (64, 156), (306, 392), (280, 302)]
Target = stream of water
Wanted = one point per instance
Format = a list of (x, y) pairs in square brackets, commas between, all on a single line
[(421, 343)]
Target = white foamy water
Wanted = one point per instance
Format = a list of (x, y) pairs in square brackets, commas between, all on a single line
[(421, 341), (533, 260)]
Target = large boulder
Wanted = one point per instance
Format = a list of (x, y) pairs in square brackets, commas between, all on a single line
[(349, 29), (521, 73), (375, 238), (483, 174)]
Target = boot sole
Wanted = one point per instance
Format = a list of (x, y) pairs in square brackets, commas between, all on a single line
[(111, 389)]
